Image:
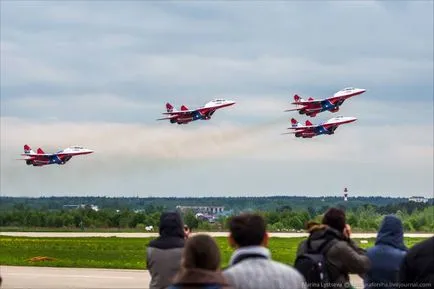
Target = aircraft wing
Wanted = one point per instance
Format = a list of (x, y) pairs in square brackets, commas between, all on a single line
[(333, 126), (334, 99), (307, 102), (36, 155), (294, 109), (180, 112), (303, 128), (169, 117), (294, 132), (27, 159)]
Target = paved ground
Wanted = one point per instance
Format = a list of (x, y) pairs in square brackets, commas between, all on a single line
[(214, 234), (73, 278)]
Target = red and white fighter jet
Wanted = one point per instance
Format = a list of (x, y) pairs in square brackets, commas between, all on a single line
[(311, 107), (185, 115), (310, 130), (40, 158)]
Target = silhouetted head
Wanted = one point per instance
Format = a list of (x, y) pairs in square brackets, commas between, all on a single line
[(201, 252), (335, 218), (247, 230), (171, 225), (391, 232)]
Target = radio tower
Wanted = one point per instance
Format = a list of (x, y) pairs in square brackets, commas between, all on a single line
[(345, 194)]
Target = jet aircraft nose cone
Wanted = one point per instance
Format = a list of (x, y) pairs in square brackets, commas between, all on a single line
[(230, 102)]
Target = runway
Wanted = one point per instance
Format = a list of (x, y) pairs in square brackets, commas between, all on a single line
[(15, 277), (147, 235)]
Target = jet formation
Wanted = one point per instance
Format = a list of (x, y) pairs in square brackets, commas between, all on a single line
[(310, 107)]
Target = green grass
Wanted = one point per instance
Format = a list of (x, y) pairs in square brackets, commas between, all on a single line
[(119, 253), (72, 229)]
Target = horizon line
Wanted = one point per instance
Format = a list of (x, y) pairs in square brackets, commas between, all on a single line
[(219, 197)]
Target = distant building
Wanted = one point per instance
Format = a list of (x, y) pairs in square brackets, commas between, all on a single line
[(202, 209), (418, 199), (82, 206), (71, 206)]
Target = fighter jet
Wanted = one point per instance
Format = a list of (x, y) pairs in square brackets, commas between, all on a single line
[(310, 130), (311, 107), (40, 158), (185, 115)]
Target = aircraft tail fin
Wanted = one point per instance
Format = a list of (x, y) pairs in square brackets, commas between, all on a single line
[(297, 98), (28, 149), (169, 107), (294, 122), (310, 98), (184, 108), (308, 123), (40, 151)]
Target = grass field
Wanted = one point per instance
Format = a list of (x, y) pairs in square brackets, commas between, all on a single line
[(119, 253), (112, 230)]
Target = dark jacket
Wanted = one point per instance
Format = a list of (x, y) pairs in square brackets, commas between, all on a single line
[(418, 266), (386, 256), (198, 278), (164, 254), (343, 256)]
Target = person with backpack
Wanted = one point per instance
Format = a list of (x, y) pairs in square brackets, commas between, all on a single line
[(328, 255), (200, 267), (251, 266)]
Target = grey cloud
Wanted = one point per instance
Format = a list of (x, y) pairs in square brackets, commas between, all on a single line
[(312, 49)]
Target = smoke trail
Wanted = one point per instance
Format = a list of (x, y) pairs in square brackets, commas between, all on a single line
[(154, 147)]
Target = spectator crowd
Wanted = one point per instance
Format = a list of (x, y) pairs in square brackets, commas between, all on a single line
[(325, 259)]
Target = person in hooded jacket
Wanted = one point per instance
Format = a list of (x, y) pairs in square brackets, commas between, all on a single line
[(387, 255), (163, 258), (200, 266), (342, 255)]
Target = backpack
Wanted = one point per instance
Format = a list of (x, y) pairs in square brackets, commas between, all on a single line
[(312, 265)]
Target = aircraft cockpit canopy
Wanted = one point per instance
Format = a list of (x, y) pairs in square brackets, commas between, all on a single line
[(348, 88), (77, 147)]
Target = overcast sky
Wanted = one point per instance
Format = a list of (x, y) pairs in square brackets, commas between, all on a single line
[(98, 74)]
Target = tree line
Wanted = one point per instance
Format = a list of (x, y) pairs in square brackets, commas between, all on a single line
[(367, 217), (169, 203)]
